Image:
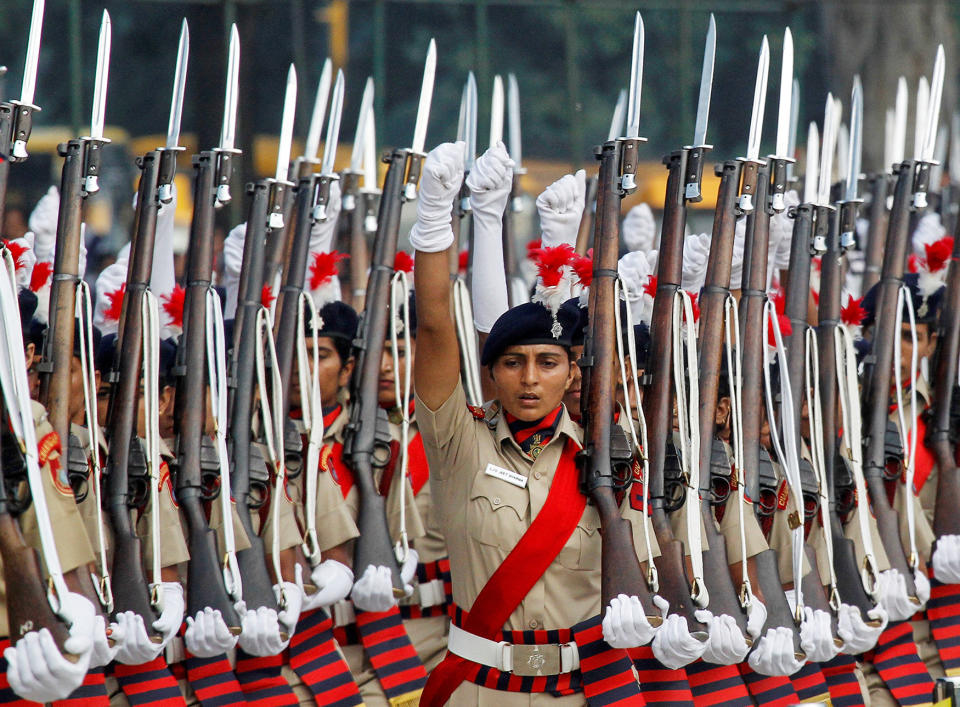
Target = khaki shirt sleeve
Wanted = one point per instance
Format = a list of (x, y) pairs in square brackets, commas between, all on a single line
[(925, 536), (287, 529), (449, 432), (173, 544), (216, 524), (782, 542), (335, 523), (852, 532), (730, 529), (642, 528), (678, 523)]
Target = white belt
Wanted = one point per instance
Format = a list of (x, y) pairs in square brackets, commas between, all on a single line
[(523, 660), (425, 595)]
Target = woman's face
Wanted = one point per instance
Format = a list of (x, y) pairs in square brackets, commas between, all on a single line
[(532, 379)]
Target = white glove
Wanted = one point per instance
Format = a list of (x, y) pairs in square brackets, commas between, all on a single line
[(773, 654), (333, 581), (635, 269), (756, 618), (322, 232), (625, 623), (639, 229), (136, 648), (857, 635), (440, 182), (162, 276), (736, 265), (560, 207), (172, 606), (260, 634), (929, 230), (207, 634), (892, 595), (816, 636), (781, 234), (374, 590), (922, 584), (946, 559), (489, 182), (408, 570), (24, 262), (726, 644), (696, 251), (102, 652), (232, 262), (673, 644), (43, 224)]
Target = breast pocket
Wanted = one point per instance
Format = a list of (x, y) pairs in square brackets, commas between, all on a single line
[(497, 514), (582, 549)]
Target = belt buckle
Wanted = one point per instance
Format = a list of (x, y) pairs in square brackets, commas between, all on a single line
[(534, 660)]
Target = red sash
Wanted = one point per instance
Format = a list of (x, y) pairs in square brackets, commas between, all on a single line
[(924, 461), (515, 577)]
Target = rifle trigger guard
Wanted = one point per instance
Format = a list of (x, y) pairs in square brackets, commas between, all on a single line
[(746, 593), (311, 546), (104, 590), (868, 574), (653, 579), (834, 599)]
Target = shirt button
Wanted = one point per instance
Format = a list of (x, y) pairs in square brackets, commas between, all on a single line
[(534, 623), (496, 500), (538, 475)]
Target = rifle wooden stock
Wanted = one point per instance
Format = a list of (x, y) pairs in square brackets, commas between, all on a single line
[(374, 546), (257, 587), (946, 519), (658, 408), (877, 229), (205, 586), (130, 589), (876, 382), (849, 585), (753, 296), (620, 569), (588, 218)]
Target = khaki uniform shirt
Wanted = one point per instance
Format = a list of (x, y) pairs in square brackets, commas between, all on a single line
[(173, 543), (730, 524), (88, 506)]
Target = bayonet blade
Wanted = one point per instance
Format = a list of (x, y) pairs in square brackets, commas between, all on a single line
[(426, 96), (933, 118), (33, 54), (286, 125), (856, 139), (706, 85), (370, 152), (636, 79), (794, 119), (312, 146), (921, 117), (496, 111), (786, 97), (826, 151), (939, 159), (513, 115), (812, 171), (955, 149), (100, 86), (619, 112), (333, 126), (842, 154), (759, 99), (366, 103), (227, 131), (462, 116), (900, 123), (471, 117), (889, 137), (179, 86)]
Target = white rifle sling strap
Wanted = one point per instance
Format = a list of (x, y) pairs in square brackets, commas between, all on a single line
[(639, 442), (907, 428), (686, 375), (84, 313), (463, 318), (150, 315), (851, 421), (312, 418), (731, 335), (788, 453), (16, 396), (400, 323), (270, 401), (811, 371), (217, 373)]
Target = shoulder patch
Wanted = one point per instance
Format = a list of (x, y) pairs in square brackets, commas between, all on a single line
[(477, 412), (782, 496)]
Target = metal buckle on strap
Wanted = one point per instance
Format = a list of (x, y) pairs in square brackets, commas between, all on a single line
[(532, 660)]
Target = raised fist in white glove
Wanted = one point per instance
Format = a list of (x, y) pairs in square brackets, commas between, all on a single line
[(857, 635), (439, 184), (639, 228), (946, 559), (207, 634), (260, 634), (333, 581), (625, 623), (136, 647), (673, 644), (696, 251), (43, 224), (36, 669), (290, 599), (726, 644), (490, 181), (102, 652), (172, 606), (774, 655), (322, 232), (892, 595), (560, 207), (781, 234), (374, 590), (756, 617), (816, 636)]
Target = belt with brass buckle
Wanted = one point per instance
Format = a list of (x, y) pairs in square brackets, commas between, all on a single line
[(521, 659), (535, 660)]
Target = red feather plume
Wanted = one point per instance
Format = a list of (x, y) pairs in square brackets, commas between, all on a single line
[(41, 274), (533, 248), (786, 329), (267, 296), (16, 251), (780, 301), (815, 295), (583, 266), (913, 263), (173, 305), (115, 306), (695, 305), (463, 260), (324, 267), (403, 261), (938, 253), (550, 262), (650, 288), (852, 313)]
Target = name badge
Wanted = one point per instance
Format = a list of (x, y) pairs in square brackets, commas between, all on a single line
[(511, 477)]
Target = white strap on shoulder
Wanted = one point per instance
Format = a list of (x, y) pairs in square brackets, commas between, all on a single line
[(312, 418), (150, 336), (907, 428), (399, 294)]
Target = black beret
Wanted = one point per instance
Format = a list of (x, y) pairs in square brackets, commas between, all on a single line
[(28, 305), (339, 321), (95, 333), (580, 319), (527, 324), (105, 353), (168, 361), (926, 307)]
